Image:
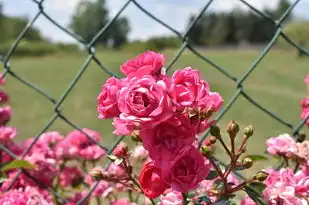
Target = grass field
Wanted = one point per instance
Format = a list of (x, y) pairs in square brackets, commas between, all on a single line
[(277, 83)]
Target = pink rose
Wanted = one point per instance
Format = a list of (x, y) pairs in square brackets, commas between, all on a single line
[(186, 171), (283, 145), (303, 150), (188, 90), (3, 97), (70, 176), (171, 198), (107, 99), (7, 134), (5, 115), (2, 79), (168, 138), (143, 101), (151, 180), (148, 63)]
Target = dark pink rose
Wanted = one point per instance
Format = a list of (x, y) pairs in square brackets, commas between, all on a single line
[(188, 90), (148, 63), (5, 115), (151, 180), (107, 99), (186, 171), (143, 101), (169, 137)]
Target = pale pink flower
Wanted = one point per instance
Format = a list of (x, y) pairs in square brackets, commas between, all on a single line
[(168, 137), (139, 153), (92, 152), (283, 145), (143, 101), (50, 138), (186, 170), (303, 150), (171, 198), (107, 99), (148, 63)]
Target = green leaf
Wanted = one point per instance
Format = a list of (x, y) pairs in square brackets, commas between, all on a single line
[(257, 157), (257, 186), (111, 157), (254, 195), (2, 180), (201, 200), (17, 164), (218, 184), (212, 175), (226, 200)]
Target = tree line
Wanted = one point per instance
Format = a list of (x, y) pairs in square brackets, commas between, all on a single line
[(213, 28)]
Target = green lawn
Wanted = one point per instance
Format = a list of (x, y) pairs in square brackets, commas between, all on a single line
[(277, 83)]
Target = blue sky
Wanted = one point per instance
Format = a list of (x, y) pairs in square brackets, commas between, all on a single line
[(173, 12)]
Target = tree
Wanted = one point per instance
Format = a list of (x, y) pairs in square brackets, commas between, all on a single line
[(91, 16)]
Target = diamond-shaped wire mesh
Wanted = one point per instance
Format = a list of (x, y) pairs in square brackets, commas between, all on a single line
[(89, 46)]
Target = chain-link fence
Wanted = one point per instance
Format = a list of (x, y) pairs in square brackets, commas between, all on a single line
[(89, 46)]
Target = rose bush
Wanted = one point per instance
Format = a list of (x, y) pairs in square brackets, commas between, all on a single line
[(165, 118)]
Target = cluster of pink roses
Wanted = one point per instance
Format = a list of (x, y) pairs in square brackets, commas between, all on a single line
[(168, 113), (284, 186)]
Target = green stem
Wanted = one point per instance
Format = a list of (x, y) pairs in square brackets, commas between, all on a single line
[(185, 200)]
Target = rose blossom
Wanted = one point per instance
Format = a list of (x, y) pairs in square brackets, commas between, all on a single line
[(151, 180), (70, 176), (148, 63), (171, 198), (186, 171), (168, 138), (3, 97), (7, 134), (28, 196), (5, 115), (143, 100), (282, 145), (247, 201), (107, 99), (188, 90), (303, 150)]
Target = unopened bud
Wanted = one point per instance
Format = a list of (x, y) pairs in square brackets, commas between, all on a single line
[(121, 150), (96, 175), (301, 137), (233, 128), (135, 136), (247, 162), (212, 139), (260, 176), (215, 131), (205, 150), (248, 131)]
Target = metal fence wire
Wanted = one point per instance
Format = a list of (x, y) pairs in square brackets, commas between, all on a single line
[(89, 46)]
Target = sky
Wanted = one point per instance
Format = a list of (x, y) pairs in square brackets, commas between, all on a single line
[(172, 12)]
